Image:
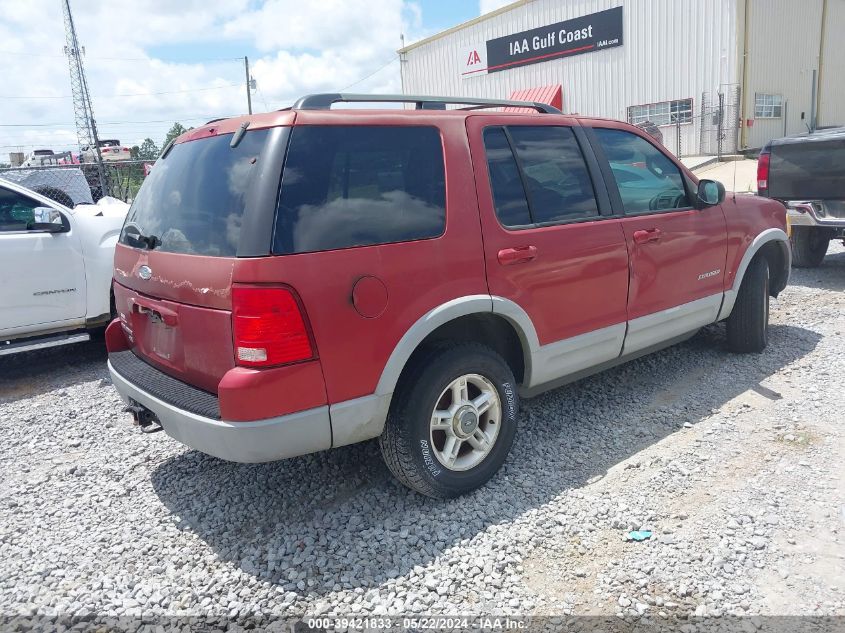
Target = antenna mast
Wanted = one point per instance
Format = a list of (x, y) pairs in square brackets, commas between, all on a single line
[(86, 126)]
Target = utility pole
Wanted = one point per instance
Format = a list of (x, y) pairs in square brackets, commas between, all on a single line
[(248, 85), (83, 111)]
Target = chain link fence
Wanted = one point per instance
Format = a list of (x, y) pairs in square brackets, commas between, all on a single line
[(80, 183), (710, 129), (720, 122)]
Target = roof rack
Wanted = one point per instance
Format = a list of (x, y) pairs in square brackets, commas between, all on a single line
[(324, 102)]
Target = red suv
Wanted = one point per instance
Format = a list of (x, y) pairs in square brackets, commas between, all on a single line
[(294, 281)]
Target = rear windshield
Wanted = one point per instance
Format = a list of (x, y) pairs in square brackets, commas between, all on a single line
[(347, 186), (193, 200), (812, 170)]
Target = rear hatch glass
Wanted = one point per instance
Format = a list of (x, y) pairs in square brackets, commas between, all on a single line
[(173, 283), (193, 201)]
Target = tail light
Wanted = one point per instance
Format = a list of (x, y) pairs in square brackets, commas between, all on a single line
[(268, 327), (763, 174)]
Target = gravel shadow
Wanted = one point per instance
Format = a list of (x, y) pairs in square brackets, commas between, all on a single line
[(829, 276), (337, 519), (29, 374)]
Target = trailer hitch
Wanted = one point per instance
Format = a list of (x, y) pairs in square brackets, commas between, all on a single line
[(146, 419)]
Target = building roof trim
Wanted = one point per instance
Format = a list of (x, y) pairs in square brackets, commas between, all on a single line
[(462, 25)]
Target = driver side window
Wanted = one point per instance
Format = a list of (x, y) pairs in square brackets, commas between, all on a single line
[(17, 212), (646, 178)]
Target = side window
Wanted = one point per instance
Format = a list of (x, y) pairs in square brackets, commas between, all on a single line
[(505, 181), (554, 173), (16, 211), (647, 179), (347, 186), (556, 176)]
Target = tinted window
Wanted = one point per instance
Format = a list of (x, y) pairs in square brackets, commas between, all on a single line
[(508, 192), (193, 200), (17, 211), (556, 176), (647, 179), (553, 172), (360, 185)]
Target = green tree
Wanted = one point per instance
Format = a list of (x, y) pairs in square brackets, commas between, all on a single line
[(133, 152), (175, 131), (148, 150)]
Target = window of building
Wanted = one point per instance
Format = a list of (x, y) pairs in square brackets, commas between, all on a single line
[(553, 171), (663, 113), (768, 106), (646, 178), (347, 186)]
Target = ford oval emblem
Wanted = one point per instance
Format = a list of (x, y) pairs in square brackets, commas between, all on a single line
[(145, 272)]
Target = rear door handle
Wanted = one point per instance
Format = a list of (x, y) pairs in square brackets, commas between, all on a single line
[(520, 255), (644, 236)]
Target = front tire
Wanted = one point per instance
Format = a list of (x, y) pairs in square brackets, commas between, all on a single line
[(809, 246), (748, 324), (452, 421)]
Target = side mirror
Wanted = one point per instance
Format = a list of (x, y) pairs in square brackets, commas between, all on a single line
[(48, 220), (710, 193)]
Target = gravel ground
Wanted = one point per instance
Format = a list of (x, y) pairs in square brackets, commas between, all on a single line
[(735, 463)]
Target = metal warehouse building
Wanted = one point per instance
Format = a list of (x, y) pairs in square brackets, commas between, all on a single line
[(716, 76)]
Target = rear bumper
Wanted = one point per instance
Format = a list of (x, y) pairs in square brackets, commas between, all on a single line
[(247, 442), (820, 214)]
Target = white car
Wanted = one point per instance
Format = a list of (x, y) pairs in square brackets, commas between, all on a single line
[(111, 150), (55, 268), (41, 157)]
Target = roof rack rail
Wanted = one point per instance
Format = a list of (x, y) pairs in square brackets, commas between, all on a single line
[(324, 102)]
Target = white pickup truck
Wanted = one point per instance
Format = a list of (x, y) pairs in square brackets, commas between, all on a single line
[(55, 268)]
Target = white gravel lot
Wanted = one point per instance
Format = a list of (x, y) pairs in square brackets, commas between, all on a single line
[(734, 462)]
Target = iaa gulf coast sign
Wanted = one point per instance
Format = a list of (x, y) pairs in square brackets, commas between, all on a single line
[(585, 34)]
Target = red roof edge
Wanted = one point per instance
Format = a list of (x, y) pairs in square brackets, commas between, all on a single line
[(550, 95)]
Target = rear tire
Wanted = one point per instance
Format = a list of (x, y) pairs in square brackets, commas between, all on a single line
[(809, 246), (748, 324), (452, 421)]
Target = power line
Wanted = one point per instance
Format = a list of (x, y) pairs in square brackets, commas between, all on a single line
[(135, 94), (58, 134), (203, 118), (128, 59), (263, 100), (376, 71)]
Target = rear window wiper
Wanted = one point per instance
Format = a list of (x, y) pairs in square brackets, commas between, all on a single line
[(150, 241), (238, 136)]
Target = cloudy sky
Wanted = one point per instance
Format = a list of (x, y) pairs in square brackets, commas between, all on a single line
[(152, 62)]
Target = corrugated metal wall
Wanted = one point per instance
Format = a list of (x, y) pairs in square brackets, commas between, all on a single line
[(672, 49), (832, 96), (783, 49)]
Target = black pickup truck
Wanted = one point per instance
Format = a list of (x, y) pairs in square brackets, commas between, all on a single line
[(807, 174)]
